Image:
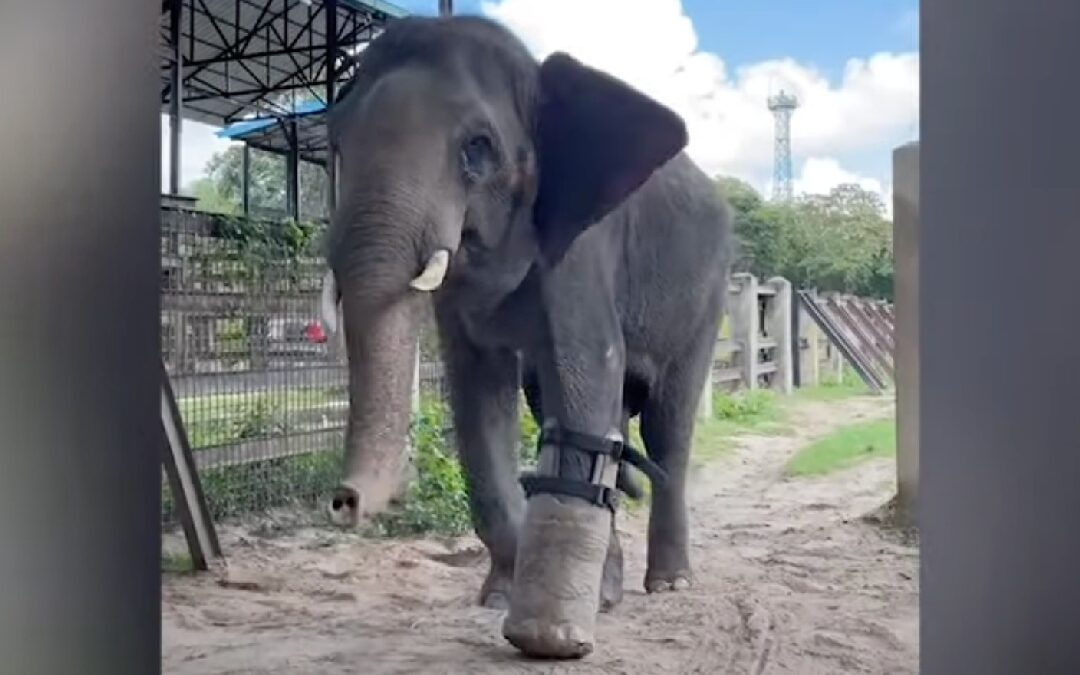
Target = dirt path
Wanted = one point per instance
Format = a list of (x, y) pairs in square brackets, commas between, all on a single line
[(789, 580)]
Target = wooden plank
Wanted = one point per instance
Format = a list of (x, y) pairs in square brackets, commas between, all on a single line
[(184, 483), (851, 354), (840, 311), (874, 323)]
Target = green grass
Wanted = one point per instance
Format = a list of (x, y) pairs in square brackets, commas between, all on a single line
[(832, 388), (199, 408), (176, 563), (845, 448), (227, 418)]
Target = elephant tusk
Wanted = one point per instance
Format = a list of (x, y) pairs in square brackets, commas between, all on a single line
[(329, 301), (432, 276)]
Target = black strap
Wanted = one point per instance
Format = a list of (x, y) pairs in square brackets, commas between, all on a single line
[(598, 495), (619, 451)]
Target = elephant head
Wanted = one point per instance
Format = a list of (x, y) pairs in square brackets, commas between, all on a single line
[(463, 162)]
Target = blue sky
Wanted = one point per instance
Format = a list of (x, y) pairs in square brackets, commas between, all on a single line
[(853, 63)]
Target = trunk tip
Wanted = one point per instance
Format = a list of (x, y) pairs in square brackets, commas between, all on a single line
[(345, 506)]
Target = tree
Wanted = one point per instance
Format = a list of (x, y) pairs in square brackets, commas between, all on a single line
[(222, 189), (840, 241)]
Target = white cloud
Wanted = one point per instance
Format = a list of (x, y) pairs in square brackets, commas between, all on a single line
[(652, 45), (821, 174)]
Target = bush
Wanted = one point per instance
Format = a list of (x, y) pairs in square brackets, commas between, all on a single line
[(437, 500)]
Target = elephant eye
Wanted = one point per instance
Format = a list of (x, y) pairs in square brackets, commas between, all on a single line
[(478, 155)]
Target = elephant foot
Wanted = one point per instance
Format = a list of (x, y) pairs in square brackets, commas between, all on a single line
[(495, 592), (665, 582), (561, 557)]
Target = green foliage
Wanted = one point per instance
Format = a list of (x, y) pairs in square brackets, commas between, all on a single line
[(222, 190), (835, 242), (272, 239), (438, 499), (260, 251), (530, 435)]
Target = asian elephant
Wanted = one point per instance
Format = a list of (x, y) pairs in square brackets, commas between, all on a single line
[(570, 248)]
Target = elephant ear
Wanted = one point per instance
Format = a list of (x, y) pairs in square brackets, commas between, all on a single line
[(598, 141)]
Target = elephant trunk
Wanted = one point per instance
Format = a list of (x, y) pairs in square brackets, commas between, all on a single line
[(381, 348), (382, 278)]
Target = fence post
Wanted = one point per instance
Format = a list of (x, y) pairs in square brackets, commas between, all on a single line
[(906, 325), (745, 327), (778, 326)]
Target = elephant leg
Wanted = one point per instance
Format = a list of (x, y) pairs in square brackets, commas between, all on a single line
[(667, 427), (483, 388), (611, 587)]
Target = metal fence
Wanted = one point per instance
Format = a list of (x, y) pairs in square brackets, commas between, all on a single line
[(262, 393)]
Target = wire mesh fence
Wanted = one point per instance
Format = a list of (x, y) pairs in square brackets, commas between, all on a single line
[(261, 390)]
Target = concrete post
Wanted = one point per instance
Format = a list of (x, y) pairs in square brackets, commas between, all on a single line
[(745, 326), (906, 330), (778, 325)]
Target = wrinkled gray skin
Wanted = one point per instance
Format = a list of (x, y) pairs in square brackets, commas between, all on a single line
[(588, 261)]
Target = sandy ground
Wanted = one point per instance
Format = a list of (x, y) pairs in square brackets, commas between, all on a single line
[(790, 578)]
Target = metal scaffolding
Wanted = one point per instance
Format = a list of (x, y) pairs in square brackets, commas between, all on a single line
[(267, 70)]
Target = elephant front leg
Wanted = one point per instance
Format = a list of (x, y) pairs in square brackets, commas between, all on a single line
[(566, 535), (611, 588), (484, 397)]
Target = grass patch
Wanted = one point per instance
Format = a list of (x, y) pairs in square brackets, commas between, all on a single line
[(176, 563), (226, 418), (845, 448), (833, 388)]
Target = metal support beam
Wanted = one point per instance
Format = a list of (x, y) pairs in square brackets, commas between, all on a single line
[(331, 94), (245, 180), (184, 484), (176, 100), (292, 169)]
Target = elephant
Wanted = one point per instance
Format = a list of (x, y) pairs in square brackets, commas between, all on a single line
[(570, 249)]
